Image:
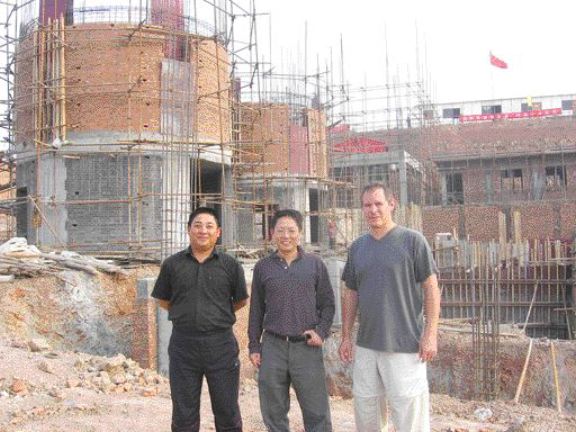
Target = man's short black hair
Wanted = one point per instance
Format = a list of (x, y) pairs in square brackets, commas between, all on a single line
[(292, 214), (203, 210)]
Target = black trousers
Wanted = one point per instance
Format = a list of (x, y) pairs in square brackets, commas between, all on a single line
[(214, 356)]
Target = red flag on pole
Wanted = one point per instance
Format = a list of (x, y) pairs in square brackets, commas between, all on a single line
[(495, 61)]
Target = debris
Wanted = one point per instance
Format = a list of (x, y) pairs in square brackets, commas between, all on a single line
[(483, 414), (18, 386), (18, 258), (37, 345), (44, 366)]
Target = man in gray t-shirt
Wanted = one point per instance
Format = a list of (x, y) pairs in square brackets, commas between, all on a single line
[(390, 277)]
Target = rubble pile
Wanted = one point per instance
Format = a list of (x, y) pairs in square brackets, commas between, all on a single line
[(52, 376)]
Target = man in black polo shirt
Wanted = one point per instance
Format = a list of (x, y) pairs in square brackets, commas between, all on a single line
[(201, 289), (291, 311)]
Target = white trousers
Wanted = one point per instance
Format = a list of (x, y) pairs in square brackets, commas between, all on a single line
[(394, 382)]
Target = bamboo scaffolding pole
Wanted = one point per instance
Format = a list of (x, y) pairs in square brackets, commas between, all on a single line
[(556, 381), (523, 374)]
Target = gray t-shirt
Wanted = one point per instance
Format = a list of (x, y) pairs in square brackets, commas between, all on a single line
[(387, 274)]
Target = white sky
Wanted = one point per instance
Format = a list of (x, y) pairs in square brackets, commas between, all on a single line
[(535, 38)]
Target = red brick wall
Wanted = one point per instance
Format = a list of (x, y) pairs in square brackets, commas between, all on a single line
[(113, 81), (481, 223), (268, 135), (439, 220), (538, 220), (145, 336)]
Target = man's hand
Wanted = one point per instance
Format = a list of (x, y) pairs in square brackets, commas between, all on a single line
[(428, 347), (313, 338), (346, 353), (256, 359)]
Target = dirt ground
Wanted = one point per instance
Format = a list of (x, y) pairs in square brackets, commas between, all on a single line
[(46, 386), (48, 391)]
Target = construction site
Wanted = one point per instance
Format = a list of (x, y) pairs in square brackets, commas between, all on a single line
[(119, 118)]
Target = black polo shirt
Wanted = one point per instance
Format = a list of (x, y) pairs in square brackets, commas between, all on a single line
[(201, 295)]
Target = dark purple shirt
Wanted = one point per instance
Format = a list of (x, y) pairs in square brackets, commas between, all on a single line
[(290, 299)]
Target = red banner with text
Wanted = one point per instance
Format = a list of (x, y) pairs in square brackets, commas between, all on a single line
[(512, 115)]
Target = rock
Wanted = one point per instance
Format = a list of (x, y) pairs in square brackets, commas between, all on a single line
[(57, 393), (37, 345), (149, 392), (130, 364), (36, 411), (96, 364), (119, 378), (115, 364), (80, 364), (19, 344), (517, 426), (44, 366), (150, 377), (18, 386), (483, 414), (130, 378), (72, 382), (105, 377)]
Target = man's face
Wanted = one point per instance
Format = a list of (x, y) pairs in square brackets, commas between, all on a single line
[(377, 208), (203, 232), (286, 235)]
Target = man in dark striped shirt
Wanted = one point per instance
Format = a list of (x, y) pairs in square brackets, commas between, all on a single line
[(291, 312)]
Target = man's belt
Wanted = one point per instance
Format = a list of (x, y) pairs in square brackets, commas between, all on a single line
[(301, 338)]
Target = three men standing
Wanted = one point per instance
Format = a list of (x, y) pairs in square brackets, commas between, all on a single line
[(201, 289), (291, 312), (389, 275)]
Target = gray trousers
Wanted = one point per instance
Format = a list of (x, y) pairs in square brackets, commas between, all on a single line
[(296, 363)]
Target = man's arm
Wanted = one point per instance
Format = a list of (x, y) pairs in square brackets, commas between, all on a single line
[(240, 294), (255, 318), (240, 304), (349, 311), (429, 340), (164, 304), (325, 305)]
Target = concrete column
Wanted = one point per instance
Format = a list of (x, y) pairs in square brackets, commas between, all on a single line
[(444, 189), (52, 186), (403, 180), (144, 342), (228, 218), (176, 202), (335, 268), (164, 333)]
